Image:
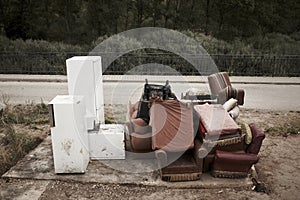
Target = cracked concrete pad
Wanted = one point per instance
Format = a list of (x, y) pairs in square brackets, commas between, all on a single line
[(38, 164), (22, 189)]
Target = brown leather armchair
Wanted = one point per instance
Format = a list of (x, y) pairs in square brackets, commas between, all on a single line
[(138, 133), (235, 150), (177, 152), (220, 87), (238, 164), (170, 136)]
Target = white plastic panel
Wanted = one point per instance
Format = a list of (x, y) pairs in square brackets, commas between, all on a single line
[(108, 143)]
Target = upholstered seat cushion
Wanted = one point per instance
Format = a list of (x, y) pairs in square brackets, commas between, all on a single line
[(216, 121), (218, 81)]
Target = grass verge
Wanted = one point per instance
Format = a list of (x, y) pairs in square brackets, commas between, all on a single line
[(22, 128)]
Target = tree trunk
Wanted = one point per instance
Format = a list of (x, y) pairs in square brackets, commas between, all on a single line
[(140, 13), (166, 13), (207, 17), (176, 13), (154, 14)]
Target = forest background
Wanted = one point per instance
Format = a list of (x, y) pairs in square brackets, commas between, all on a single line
[(264, 31)]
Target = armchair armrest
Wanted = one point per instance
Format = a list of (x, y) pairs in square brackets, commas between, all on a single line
[(234, 162), (129, 127), (199, 152), (231, 92), (240, 95), (258, 136), (162, 158)]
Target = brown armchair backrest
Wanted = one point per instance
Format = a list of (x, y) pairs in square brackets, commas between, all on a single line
[(220, 86), (218, 81), (172, 125)]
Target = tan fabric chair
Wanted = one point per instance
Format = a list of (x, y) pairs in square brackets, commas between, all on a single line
[(220, 86)]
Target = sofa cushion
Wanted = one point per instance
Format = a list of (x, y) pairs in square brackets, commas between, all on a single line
[(218, 81), (216, 121), (230, 104), (235, 112), (140, 126)]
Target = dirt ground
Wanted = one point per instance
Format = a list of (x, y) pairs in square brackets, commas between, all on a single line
[(278, 171)]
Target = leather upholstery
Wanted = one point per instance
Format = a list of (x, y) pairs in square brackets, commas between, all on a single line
[(138, 139), (238, 164), (234, 162), (258, 136), (172, 125)]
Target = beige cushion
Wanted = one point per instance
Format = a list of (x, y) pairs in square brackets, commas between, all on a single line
[(230, 104), (235, 112), (247, 131)]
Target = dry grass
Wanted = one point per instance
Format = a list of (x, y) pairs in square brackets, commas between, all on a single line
[(20, 131), (281, 123)]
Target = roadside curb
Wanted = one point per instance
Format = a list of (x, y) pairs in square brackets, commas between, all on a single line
[(155, 79)]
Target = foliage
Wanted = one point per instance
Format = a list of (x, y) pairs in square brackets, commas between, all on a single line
[(251, 56), (82, 21), (276, 44)]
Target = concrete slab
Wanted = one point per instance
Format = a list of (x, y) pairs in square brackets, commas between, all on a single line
[(23, 189), (38, 165)]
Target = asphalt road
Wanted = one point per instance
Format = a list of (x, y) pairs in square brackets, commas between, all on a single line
[(258, 96)]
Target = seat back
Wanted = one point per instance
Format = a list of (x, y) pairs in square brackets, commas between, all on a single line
[(218, 81), (172, 126), (220, 87)]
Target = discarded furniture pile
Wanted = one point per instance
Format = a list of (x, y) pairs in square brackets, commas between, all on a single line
[(187, 137), (190, 137)]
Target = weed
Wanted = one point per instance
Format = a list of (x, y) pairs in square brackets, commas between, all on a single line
[(29, 114), (293, 127), (5, 98), (14, 146)]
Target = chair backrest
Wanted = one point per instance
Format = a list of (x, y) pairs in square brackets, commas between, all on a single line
[(172, 125), (220, 86), (218, 81)]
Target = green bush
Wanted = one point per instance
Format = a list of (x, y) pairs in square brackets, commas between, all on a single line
[(252, 56), (276, 44)]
